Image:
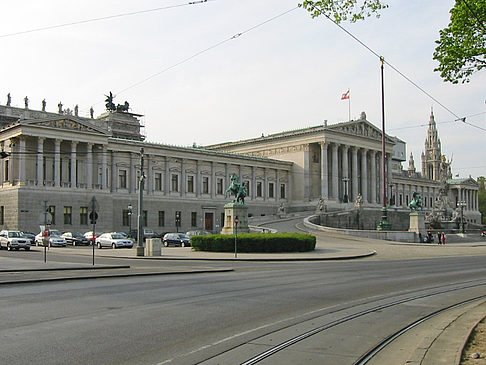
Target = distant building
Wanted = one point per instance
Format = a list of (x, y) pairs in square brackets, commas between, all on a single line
[(61, 161)]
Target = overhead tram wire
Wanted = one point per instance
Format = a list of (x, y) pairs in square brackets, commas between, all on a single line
[(237, 35), (399, 72), (444, 122), (92, 20)]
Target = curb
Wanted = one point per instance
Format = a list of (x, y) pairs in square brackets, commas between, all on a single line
[(67, 278), (68, 268)]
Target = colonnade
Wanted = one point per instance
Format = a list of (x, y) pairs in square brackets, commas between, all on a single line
[(351, 170)]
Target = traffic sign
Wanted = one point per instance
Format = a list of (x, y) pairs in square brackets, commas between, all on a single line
[(93, 216)]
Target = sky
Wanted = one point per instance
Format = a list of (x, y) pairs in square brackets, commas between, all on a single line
[(226, 70)]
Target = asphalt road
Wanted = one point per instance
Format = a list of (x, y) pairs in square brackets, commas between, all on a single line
[(188, 319)]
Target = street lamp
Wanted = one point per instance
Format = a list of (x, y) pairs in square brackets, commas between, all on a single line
[(130, 211), (345, 197), (462, 204)]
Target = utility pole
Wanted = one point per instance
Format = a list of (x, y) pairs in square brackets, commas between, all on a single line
[(140, 251)]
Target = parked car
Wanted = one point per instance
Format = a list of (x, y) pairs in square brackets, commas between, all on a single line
[(198, 233), (113, 240), (483, 232), (89, 236), (52, 232), (75, 238), (14, 240), (29, 236), (176, 239)]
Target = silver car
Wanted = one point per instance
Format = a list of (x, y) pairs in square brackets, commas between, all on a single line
[(113, 240), (14, 240)]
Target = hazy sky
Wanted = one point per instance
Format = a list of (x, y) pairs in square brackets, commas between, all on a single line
[(181, 68)]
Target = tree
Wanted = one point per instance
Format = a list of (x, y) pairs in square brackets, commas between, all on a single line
[(342, 10), (482, 197), (461, 48)]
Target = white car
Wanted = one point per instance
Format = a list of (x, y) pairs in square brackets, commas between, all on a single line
[(113, 240), (40, 237), (14, 240)]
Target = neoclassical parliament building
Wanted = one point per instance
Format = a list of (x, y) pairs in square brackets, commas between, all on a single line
[(60, 161)]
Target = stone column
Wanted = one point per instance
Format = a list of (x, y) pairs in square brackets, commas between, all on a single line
[(277, 185), (21, 160), (364, 175), (226, 177), (103, 167), (265, 184), (183, 178), (345, 172), (354, 172), (73, 164), (253, 183), (198, 178), (57, 162), (89, 165), (167, 176), (132, 179), (373, 176), (114, 173), (149, 176), (212, 182), (324, 172), (335, 172), (40, 161)]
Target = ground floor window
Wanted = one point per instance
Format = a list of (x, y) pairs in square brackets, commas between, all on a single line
[(2, 214), (68, 211), (52, 211), (83, 215), (282, 191), (270, 190), (161, 218), (194, 219)]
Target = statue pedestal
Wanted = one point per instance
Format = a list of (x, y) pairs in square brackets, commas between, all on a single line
[(417, 222), (231, 211)]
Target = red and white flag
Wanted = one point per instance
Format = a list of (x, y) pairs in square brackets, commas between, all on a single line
[(345, 95)]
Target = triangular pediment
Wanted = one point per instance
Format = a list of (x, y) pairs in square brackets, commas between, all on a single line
[(362, 128), (465, 181), (66, 122)]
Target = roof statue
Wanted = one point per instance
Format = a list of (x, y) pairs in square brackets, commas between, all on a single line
[(111, 107), (9, 99)]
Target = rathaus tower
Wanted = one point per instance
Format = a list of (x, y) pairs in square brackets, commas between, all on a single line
[(432, 155)]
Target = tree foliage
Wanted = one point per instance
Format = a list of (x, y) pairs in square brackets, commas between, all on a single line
[(342, 10), (461, 48), (482, 197)]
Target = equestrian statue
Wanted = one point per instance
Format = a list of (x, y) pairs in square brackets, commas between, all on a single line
[(236, 189)]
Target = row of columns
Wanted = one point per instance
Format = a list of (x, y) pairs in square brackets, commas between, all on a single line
[(470, 197), (330, 186)]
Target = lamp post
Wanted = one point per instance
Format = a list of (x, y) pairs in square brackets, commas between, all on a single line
[(462, 204), (140, 249), (130, 211), (383, 225), (345, 197)]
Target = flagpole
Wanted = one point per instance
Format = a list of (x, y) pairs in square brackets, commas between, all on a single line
[(349, 105)]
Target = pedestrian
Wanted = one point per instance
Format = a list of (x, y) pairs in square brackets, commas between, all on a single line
[(439, 238), (443, 238)]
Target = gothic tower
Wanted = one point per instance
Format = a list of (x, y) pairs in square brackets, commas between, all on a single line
[(432, 155)]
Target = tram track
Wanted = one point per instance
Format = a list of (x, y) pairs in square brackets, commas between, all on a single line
[(342, 319)]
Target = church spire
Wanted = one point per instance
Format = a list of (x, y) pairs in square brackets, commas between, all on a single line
[(432, 119)]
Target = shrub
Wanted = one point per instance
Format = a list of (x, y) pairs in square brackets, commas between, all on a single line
[(255, 242)]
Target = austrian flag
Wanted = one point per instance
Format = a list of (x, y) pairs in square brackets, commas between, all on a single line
[(345, 95)]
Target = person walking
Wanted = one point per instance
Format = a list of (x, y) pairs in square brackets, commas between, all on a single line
[(439, 238), (443, 238)]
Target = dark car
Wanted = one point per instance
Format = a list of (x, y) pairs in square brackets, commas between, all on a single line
[(29, 236), (176, 239), (75, 238)]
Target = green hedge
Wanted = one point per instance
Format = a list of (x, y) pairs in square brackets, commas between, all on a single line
[(255, 242)]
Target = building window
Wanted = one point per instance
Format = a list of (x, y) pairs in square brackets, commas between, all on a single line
[(247, 187), (122, 179), (425, 202), (158, 182), (194, 219), (175, 182), (144, 218), (190, 184), (401, 200), (205, 186), (282, 191), (6, 170), (222, 219), (259, 189), (125, 217), (406, 199), (219, 187), (83, 215), (2, 214), (270, 190), (161, 218), (68, 211), (52, 211)]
